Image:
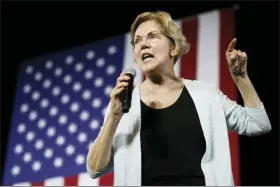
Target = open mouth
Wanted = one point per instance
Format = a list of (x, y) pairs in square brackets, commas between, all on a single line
[(147, 56)]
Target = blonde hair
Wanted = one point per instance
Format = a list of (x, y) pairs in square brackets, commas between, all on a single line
[(170, 29)]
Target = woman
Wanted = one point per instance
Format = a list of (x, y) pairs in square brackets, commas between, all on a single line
[(176, 132)]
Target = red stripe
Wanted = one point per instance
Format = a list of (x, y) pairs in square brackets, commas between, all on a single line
[(71, 181), (227, 85), (188, 61), (107, 180), (37, 184)]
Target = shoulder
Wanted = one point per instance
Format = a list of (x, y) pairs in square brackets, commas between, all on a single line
[(199, 85)]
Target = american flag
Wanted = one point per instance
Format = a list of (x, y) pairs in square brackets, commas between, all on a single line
[(61, 99)]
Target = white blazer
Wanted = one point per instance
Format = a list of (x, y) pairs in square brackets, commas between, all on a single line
[(217, 114)]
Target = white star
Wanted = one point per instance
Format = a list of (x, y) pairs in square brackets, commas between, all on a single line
[(47, 83), (112, 50), (62, 119), (58, 162), (18, 149), (88, 74), (108, 90), (53, 111), (15, 170), (51, 131), (110, 69), (24, 108), (96, 103), (79, 67), (29, 69), (39, 144), (42, 123), (65, 99), (90, 55), (77, 86), (35, 96), (49, 64), (69, 59), (86, 95), (84, 115), (72, 128), (82, 137), (80, 159), (74, 107), (104, 111), (48, 153), (98, 82), (33, 115), (70, 149), (38, 76), (44, 103), (100, 62), (94, 124), (26, 88), (56, 91), (67, 79), (27, 157), (30, 136), (36, 166), (21, 128), (58, 71), (60, 140)]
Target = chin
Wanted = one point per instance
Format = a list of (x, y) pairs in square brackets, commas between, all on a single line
[(149, 67)]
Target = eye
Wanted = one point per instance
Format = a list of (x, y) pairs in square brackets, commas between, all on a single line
[(136, 40), (152, 35)]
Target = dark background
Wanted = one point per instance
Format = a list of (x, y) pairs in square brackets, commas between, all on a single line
[(36, 28)]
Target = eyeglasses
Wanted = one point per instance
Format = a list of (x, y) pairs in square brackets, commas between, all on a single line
[(151, 37)]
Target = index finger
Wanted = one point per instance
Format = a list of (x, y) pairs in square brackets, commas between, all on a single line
[(231, 45)]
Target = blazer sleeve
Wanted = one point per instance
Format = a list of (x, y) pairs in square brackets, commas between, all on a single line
[(109, 166), (244, 120)]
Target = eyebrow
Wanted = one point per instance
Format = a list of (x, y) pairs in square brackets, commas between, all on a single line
[(148, 32)]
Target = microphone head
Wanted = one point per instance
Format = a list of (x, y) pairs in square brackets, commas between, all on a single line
[(131, 71)]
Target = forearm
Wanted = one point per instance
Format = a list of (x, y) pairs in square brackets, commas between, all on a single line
[(247, 91), (99, 155)]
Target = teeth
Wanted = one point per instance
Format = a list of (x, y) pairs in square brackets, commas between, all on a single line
[(147, 59)]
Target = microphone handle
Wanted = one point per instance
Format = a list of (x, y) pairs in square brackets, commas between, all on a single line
[(127, 94)]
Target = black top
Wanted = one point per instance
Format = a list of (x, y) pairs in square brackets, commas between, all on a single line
[(172, 144)]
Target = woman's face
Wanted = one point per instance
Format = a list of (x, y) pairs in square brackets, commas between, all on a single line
[(151, 47)]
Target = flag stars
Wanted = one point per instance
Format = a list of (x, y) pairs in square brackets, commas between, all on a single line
[(108, 90), (53, 111), (21, 128), (65, 99), (51, 132), (58, 71), (77, 86), (30, 136), (60, 140), (26, 88), (29, 69), (15, 170), (42, 123), (38, 76), (49, 64), (86, 95), (110, 69), (33, 115), (35, 96), (18, 149), (70, 150), (79, 67), (96, 103), (36, 166), (48, 153), (74, 107), (58, 162), (62, 119), (103, 111), (72, 128), (94, 124), (112, 50), (56, 91), (69, 59), (98, 82), (27, 157), (24, 108), (88, 74), (84, 115), (100, 62), (67, 79), (39, 145), (47, 83), (82, 137), (44, 103), (90, 55), (80, 159)]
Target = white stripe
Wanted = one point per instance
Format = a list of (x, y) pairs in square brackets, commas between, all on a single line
[(56, 181), (129, 60), (85, 180), (208, 47), (177, 66), (22, 184)]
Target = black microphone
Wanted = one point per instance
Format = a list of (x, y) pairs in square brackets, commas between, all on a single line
[(127, 92)]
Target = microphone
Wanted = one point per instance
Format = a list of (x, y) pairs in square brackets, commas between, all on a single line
[(127, 93)]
